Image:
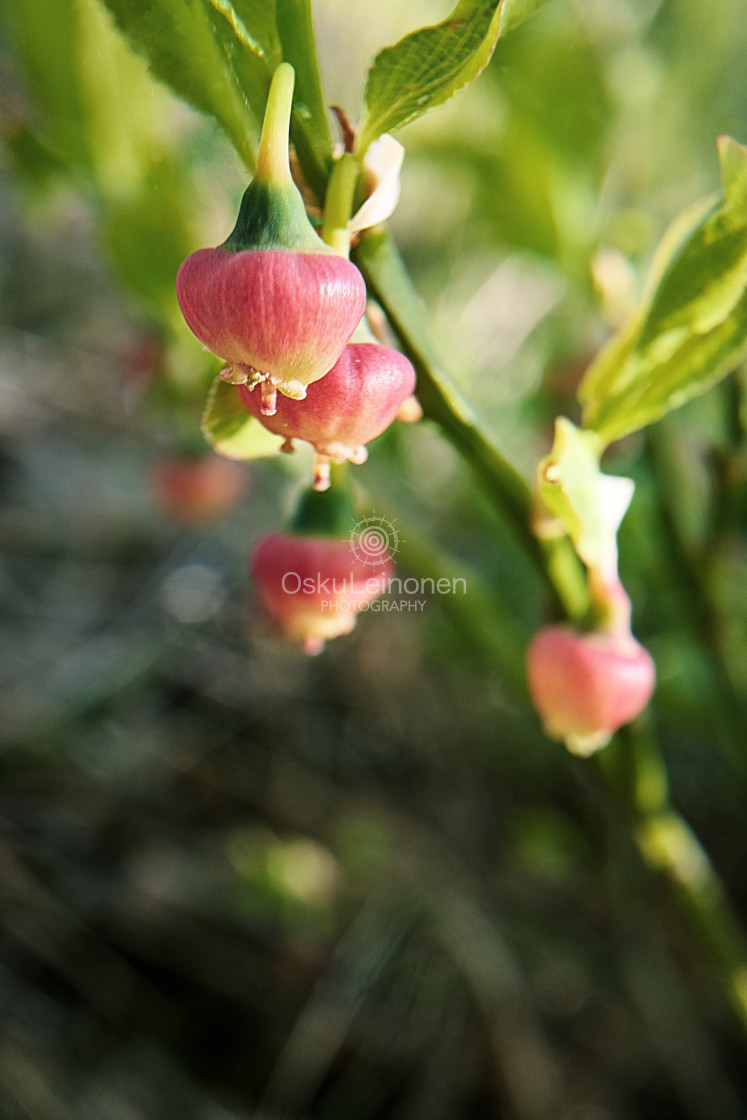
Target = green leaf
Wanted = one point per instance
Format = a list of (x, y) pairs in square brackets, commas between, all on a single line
[(180, 42), (254, 25), (250, 70), (45, 38), (255, 36), (691, 327), (148, 236), (514, 12), (427, 67), (124, 146), (590, 505), (310, 126), (231, 430), (568, 482)]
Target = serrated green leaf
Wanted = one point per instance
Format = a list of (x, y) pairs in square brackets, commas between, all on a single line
[(514, 12), (179, 40), (691, 327), (251, 71), (231, 430), (427, 67), (253, 23), (247, 33), (255, 36)]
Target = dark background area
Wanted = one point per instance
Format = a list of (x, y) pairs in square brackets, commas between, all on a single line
[(238, 882)]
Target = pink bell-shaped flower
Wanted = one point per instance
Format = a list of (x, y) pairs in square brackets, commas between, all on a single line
[(355, 402), (313, 587), (586, 686), (196, 491), (312, 581), (275, 302)]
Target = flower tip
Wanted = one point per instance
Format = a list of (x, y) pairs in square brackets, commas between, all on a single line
[(410, 411), (313, 645), (321, 473), (584, 746), (269, 398), (234, 376), (358, 455)]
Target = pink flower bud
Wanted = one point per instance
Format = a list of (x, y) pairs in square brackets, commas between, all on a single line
[(197, 491), (355, 402), (585, 686), (273, 315), (312, 587)]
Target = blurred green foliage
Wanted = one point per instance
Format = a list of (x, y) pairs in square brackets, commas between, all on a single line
[(237, 883)]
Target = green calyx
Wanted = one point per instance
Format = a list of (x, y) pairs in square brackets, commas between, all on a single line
[(326, 513), (272, 213), (273, 217)]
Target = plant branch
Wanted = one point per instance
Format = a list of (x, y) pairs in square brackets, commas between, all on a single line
[(668, 846), (386, 277), (700, 613)]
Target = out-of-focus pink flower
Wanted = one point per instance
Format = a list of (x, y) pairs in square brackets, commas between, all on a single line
[(313, 587), (196, 491), (586, 686)]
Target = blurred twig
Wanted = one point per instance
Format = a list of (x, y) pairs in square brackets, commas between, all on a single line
[(635, 772)]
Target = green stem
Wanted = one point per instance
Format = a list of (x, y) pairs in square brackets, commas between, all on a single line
[(568, 576), (668, 845), (479, 613), (326, 513), (725, 460), (387, 279), (692, 579), (310, 130), (338, 205)]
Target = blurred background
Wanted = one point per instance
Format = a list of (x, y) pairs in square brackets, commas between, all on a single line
[(236, 882)]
